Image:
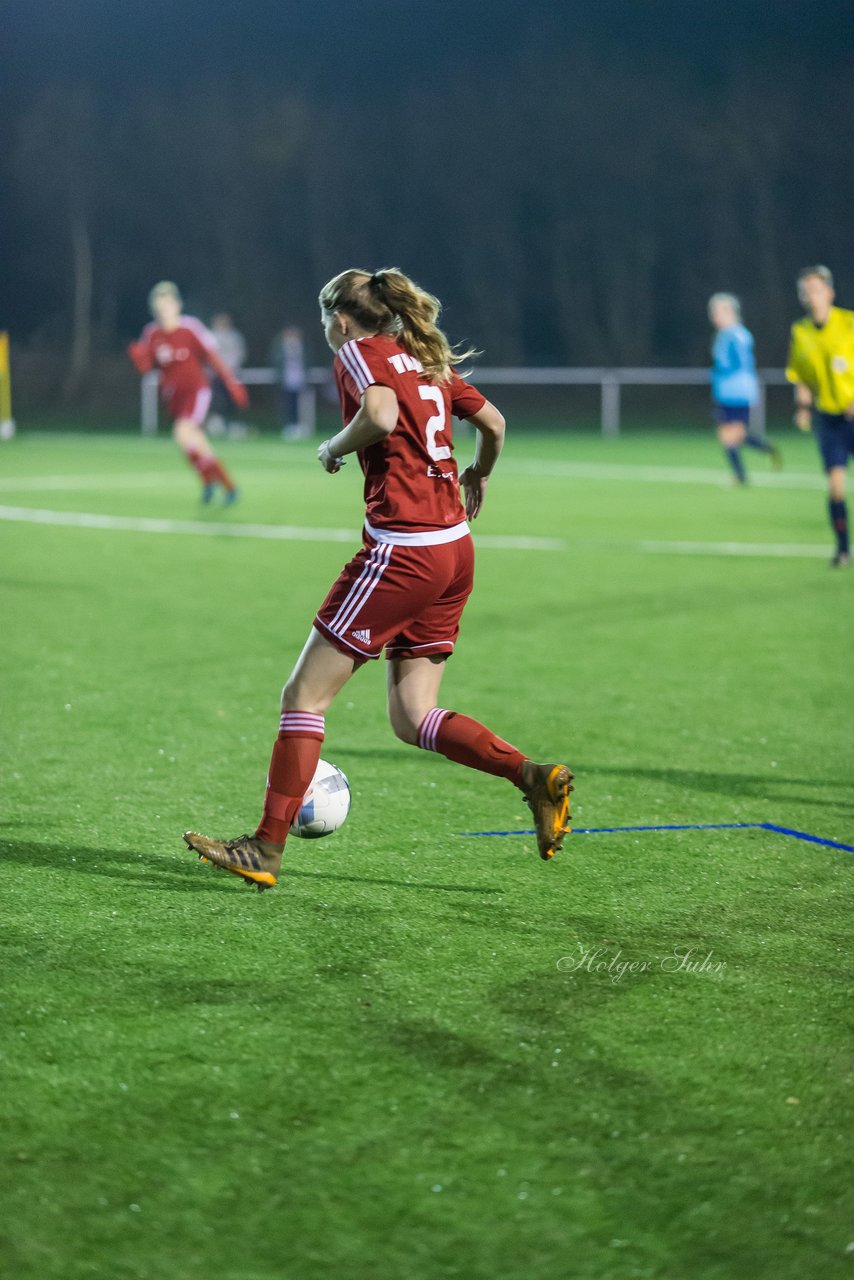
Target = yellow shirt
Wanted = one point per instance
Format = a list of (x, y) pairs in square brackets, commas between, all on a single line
[(823, 359)]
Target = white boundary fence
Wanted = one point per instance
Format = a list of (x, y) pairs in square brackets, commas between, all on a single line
[(610, 382)]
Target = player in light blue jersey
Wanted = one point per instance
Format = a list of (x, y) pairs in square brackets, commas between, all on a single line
[(735, 387)]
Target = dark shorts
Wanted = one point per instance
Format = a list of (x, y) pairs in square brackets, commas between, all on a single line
[(731, 413), (835, 435), (407, 600)]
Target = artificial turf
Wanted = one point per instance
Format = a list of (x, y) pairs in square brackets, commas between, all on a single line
[(419, 1057)]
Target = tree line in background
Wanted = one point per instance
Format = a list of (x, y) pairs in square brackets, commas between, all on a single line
[(579, 215)]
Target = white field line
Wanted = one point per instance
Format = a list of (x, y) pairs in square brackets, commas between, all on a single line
[(198, 528), (644, 474), (299, 533), (779, 550), (57, 484), (614, 472)]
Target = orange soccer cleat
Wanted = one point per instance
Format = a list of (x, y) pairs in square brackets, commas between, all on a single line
[(546, 789), (246, 856)]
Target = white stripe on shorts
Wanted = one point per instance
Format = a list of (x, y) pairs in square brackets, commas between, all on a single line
[(361, 589), (201, 405), (396, 648)]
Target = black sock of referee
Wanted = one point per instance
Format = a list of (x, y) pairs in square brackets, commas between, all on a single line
[(760, 443), (733, 455), (839, 519)]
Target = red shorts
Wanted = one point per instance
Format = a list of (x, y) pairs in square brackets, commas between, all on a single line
[(406, 599), (193, 404)]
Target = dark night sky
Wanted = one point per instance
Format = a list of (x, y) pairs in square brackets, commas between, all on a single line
[(363, 58), (337, 47)]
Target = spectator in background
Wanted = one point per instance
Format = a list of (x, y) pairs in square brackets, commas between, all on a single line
[(231, 348), (287, 357), (735, 386)]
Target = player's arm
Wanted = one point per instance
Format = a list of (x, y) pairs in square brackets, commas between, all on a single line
[(490, 427), (849, 355), (803, 407), (376, 419), (142, 355), (796, 374), (209, 354)]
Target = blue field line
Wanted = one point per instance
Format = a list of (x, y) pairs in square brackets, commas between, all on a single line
[(667, 826), (687, 826), (804, 835)]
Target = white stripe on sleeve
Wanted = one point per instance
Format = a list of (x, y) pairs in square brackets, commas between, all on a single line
[(354, 363)]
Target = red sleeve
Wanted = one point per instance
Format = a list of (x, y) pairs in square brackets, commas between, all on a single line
[(141, 354), (343, 384), (206, 351), (465, 399), (344, 380), (364, 367)]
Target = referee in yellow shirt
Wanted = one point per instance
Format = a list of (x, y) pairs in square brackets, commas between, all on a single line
[(821, 365)]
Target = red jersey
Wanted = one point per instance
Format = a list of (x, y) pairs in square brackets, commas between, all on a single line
[(411, 479), (182, 357)]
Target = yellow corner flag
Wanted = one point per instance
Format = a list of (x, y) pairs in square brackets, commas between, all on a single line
[(7, 422)]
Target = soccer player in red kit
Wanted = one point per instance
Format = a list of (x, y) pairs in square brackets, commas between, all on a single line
[(405, 591), (182, 349)]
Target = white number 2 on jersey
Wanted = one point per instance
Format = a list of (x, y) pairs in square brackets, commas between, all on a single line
[(435, 424)]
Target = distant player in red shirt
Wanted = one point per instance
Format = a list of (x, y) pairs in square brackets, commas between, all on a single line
[(182, 350), (405, 591)]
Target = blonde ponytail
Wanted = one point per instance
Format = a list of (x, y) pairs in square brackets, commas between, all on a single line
[(388, 302)]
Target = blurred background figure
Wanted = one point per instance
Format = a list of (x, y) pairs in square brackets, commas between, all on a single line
[(821, 365), (182, 350), (735, 387), (225, 416), (287, 356)]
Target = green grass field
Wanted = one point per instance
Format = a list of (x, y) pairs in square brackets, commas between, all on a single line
[(420, 1057)]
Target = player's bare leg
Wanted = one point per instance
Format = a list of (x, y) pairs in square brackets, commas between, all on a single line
[(413, 691), (196, 447), (759, 441), (320, 673)]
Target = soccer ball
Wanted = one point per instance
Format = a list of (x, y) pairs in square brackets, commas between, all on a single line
[(325, 804)]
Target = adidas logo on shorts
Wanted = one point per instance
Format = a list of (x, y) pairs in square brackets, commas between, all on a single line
[(364, 636)]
